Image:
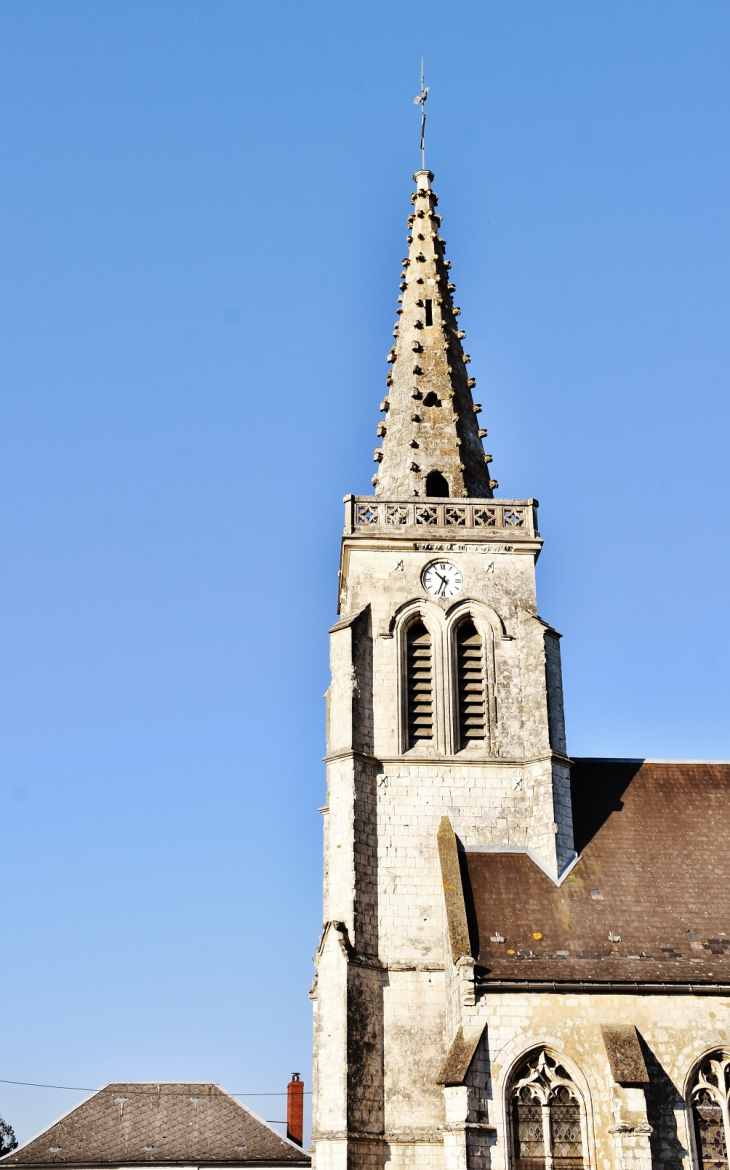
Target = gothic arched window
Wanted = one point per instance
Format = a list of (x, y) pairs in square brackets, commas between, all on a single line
[(419, 684), (545, 1113), (710, 1098), (471, 690)]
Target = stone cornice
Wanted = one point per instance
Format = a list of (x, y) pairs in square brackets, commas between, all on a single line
[(607, 987), (490, 761)]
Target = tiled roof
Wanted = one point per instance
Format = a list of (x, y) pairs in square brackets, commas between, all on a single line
[(138, 1124), (648, 901)]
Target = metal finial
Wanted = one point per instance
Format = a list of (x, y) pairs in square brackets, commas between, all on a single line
[(421, 100)]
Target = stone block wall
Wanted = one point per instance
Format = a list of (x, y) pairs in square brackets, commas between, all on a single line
[(643, 1127), (383, 964)]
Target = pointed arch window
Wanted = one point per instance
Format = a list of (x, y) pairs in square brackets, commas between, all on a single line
[(545, 1114), (470, 683), (419, 683), (710, 1099)]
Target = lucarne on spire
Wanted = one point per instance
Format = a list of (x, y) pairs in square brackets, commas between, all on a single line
[(432, 442)]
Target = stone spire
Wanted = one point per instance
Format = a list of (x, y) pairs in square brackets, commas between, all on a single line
[(432, 442)]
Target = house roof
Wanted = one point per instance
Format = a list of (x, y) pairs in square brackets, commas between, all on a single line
[(648, 900), (168, 1124)]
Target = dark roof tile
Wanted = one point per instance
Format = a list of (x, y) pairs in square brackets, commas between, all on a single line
[(648, 901), (168, 1124)]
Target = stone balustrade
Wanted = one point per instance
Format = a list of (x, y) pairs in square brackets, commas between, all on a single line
[(513, 518)]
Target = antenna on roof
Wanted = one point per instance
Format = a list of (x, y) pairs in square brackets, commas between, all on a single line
[(421, 100)]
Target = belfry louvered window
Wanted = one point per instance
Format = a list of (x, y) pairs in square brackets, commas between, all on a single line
[(710, 1096), (470, 684), (419, 672), (545, 1117)]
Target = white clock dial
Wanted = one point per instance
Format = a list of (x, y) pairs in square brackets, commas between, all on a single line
[(442, 579)]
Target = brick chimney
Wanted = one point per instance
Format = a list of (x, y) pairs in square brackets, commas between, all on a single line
[(295, 1109)]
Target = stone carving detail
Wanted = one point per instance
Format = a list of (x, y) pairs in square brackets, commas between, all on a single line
[(514, 517), (396, 514), (710, 1097), (367, 514), (546, 1117), (456, 516), (485, 517), (427, 515), (448, 515)]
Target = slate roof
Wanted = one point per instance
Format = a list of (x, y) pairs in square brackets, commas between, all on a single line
[(168, 1124), (654, 872)]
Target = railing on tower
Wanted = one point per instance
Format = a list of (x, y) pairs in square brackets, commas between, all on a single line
[(516, 518)]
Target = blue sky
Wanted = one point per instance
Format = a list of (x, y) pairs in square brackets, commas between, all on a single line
[(203, 209)]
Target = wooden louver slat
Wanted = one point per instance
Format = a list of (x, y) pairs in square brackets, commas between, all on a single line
[(419, 671), (470, 679)]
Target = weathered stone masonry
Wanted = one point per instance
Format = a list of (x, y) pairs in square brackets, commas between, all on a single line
[(482, 981)]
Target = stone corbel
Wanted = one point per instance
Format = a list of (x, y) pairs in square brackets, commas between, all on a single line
[(339, 930), (465, 976)]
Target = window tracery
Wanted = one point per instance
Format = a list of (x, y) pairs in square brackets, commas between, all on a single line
[(546, 1117), (710, 1099)]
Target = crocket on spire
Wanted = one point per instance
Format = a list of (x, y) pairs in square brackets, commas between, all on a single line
[(432, 442)]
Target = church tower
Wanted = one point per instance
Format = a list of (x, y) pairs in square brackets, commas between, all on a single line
[(445, 733)]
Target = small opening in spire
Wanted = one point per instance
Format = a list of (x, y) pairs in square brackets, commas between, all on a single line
[(436, 485), (429, 312), (432, 399)]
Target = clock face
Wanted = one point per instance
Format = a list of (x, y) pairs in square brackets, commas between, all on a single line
[(442, 579)]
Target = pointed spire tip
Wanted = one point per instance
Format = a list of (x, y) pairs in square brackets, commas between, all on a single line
[(432, 443)]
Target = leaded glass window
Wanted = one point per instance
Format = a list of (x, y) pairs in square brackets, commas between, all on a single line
[(528, 1135), (546, 1117), (710, 1097)]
